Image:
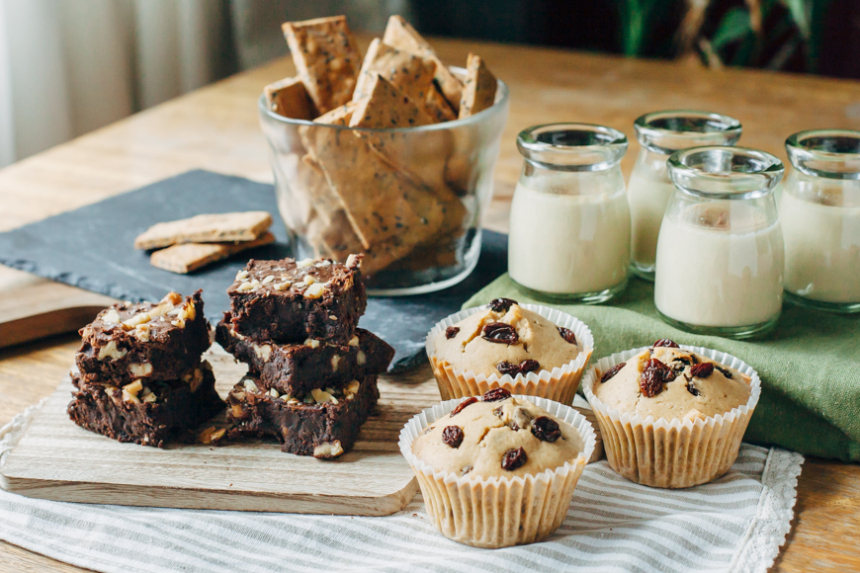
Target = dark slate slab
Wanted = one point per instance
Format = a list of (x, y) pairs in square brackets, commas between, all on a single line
[(92, 248)]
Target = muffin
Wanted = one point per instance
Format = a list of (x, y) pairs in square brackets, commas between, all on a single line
[(526, 349), (672, 416), (499, 470)]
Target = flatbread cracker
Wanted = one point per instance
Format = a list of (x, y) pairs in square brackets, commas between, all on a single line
[(400, 34), (327, 59), (437, 106), (213, 228), (289, 98), (387, 107), (410, 73), (188, 257), (479, 90)]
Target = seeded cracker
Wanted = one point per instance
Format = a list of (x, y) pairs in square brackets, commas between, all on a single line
[(189, 257), (327, 59), (401, 35), (213, 228), (410, 73), (387, 107), (479, 90), (289, 98)]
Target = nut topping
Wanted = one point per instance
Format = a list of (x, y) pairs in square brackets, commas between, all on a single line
[(316, 290), (267, 280), (304, 263), (453, 436), (353, 341), (250, 385), (110, 351), (140, 369), (111, 317), (313, 343)]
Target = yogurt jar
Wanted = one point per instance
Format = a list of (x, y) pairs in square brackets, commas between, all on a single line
[(660, 134), (820, 212), (720, 253), (569, 234)]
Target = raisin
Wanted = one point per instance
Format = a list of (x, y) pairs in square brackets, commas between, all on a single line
[(702, 370), (724, 372), (508, 368), (546, 429), (453, 436), (501, 333), (691, 388), (501, 304), (612, 372), (567, 334), (462, 405), (498, 412), (451, 332), (653, 377), (495, 395), (514, 459), (529, 365), (665, 342)]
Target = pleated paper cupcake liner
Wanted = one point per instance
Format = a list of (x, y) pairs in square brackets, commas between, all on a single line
[(559, 384), (671, 453), (497, 512)]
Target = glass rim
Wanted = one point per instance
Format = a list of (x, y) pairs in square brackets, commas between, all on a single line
[(689, 177), (598, 154), (808, 156), (502, 97), (646, 132)]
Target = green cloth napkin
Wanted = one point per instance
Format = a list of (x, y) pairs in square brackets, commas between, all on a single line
[(809, 366)]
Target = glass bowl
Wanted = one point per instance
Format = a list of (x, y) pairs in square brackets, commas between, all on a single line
[(410, 199)]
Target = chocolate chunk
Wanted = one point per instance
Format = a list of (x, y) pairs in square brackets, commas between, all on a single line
[(567, 334), (467, 402), (451, 332), (612, 372), (702, 370), (546, 429), (495, 395), (453, 436), (513, 459), (654, 375), (501, 333), (502, 304), (665, 342)]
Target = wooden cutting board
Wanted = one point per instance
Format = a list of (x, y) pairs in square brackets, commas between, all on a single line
[(59, 461)]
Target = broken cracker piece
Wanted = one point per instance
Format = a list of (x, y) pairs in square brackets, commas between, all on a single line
[(188, 257), (401, 35), (289, 98), (408, 72), (210, 228), (479, 89), (327, 59)]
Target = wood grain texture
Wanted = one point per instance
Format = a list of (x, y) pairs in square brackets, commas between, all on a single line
[(216, 128)]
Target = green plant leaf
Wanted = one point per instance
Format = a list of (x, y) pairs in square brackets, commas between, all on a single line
[(734, 26), (799, 10)]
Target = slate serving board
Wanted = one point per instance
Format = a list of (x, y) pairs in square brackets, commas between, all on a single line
[(93, 248)]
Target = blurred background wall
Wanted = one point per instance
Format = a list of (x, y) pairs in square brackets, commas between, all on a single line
[(70, 66)]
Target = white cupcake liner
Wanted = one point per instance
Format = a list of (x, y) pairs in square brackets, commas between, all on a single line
[(672, 453), (559, 384), (497, 511)]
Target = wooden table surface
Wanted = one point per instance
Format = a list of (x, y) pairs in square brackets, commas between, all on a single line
[(216, 128)]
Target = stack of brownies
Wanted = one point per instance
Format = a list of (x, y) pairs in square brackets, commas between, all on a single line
[(312, 372), (139, 375)]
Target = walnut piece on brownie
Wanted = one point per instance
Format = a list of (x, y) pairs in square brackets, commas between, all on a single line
[(323, 423), (289, 301), (158, 341), (296, 369)]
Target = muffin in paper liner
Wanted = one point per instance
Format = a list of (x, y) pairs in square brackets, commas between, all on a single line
[(498, 512), (559, 384), (671, 453)]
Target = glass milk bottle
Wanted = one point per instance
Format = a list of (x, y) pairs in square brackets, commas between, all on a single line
[(661, 134), (820, 212), (570, 224), (720, 253)]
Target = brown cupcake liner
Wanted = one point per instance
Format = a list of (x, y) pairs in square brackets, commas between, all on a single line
[(497, 512), (671, 453), (559, 384)]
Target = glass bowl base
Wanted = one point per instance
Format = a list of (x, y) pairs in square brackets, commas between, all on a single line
[(575, 298), (644, 272), (734, 332), (837, 307)]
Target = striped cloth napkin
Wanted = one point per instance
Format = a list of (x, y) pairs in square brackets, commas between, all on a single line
[(735, 524)]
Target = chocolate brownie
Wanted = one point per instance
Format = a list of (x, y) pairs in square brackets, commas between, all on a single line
[(146, 340), (296, 369), (290, 301), (323, 424), (148, 413)]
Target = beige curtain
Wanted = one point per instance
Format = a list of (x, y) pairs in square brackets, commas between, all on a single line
[(70, 66)]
